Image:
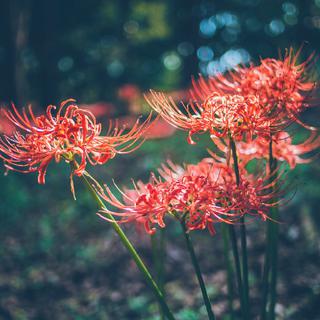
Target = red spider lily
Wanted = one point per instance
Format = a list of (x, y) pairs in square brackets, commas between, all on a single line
[(283, 86), (160, 129), (99, 109), (71, 132), (253, 195), (189, 198), (147, 204), (282, 149), (129, 92), (200, 195), (220, 115)]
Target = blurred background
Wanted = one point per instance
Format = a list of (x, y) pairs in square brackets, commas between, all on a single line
[(58, 259)]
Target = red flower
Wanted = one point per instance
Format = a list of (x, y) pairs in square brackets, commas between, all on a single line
[(6, 127), (160, 129), (283, 86), (200, 195), (69, 133), (240, 116), (252, 196), (99, 109), (129, 92), (282, 149), (147, 204)]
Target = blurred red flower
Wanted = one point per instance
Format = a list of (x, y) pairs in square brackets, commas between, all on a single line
[(159, 129), (6, 127), (99, 109), (129, 92)]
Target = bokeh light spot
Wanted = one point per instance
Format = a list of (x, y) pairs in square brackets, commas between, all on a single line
[(207, 27), (65, 64), (115, 68), (172, 61), (205, 53)]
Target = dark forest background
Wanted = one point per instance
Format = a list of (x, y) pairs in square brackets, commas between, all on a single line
[(57, 259)]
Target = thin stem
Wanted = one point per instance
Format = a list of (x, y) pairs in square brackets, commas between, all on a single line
[(235, 160), (157, 246), (243, 233), (274, 236), (226, 249), (274, 265), (243, 237), (157, 292), (198, 272), (265, 277), (267, 266), (270, 272), (162, 253), (269, 277), (236, 258)]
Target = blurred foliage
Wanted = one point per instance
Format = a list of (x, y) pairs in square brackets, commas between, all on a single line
[(58, 260)]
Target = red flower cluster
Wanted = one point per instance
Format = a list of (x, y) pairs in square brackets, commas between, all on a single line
[(240, 116), (199, 195), (249, 102), (282, 85), (68, 133)]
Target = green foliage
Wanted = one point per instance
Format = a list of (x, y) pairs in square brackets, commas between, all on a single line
[(151, 20)]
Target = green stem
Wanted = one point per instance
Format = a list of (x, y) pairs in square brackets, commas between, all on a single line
[(226, 248), (274, 236), (274, 266), (265, 276), (235, 160), (158, 260), (236, 258), (243, 234), (270, 271), (267, 266), (157, 292), (162, 253), (198, 272), (243, 237)]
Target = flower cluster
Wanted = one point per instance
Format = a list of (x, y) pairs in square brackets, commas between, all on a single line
[(283, 86), (240, 116), (249, 102), (199, 195), (249, 106), (237, 116), (68, 133)]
